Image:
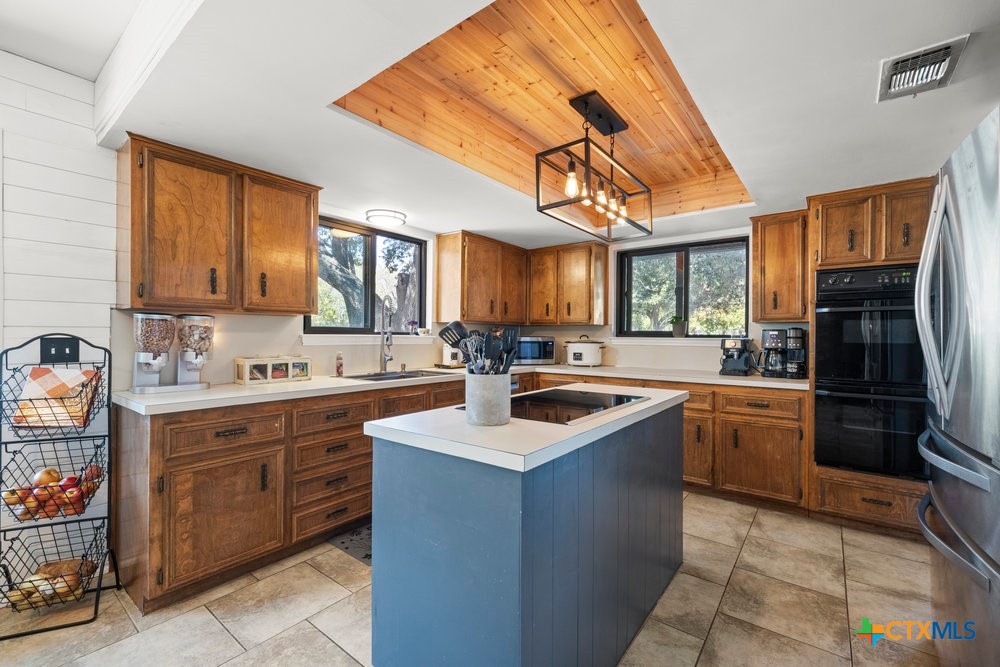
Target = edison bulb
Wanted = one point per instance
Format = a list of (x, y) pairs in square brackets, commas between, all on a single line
[(572, 187), (622, 211)]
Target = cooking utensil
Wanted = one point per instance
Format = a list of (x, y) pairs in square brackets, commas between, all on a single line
[(508, 360), (454, 333)]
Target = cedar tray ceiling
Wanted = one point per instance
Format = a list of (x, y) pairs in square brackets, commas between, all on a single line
[(495, 89)]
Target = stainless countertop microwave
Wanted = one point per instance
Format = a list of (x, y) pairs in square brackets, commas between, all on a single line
[(536, 350)]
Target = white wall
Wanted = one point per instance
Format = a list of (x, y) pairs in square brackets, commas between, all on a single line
[(58, 207)]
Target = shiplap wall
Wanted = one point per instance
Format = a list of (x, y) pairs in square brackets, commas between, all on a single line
[(58, 207)]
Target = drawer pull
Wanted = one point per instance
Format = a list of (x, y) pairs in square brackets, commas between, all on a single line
[(758, 404), (736, 438), (336, 415), (337, 448), (697, 433), (231, 432), (337, 480), (876, 501), (336, 512), (263, 477)]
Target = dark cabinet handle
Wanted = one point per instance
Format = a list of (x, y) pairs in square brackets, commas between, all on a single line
[(336, 415), (140, 288), (850, 240), (697, 433), (337, 448), (213, 280), (546, 306), (876, 501), (504, 307), (906, 234), (774, 300), (336, 513), (491, 306), (263, 477), (758, 404), (569, 309), (736, 438), (230, 432), (263, 284), (337, 480)]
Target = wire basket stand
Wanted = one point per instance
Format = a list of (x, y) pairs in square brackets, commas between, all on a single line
[(55, 477)]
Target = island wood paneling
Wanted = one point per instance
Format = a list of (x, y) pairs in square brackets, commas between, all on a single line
[(494, 90)]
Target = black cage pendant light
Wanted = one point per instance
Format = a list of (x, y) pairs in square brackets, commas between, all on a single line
[(583, 185)]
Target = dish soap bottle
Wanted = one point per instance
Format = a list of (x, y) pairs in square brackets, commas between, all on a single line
[(340, 364)]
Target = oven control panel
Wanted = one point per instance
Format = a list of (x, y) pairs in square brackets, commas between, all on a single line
[(877, 279)]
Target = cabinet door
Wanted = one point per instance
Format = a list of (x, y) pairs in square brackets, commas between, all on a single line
[(280, 225), (846, 231), (542, 287), (779, 268), (576, 295), (481, 280), (221, 513), (906, 215), (760, 459), (698, 444), (185, 242), (513, 285)]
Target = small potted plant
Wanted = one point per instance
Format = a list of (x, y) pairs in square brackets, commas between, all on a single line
[(680, 326), (412, 324)]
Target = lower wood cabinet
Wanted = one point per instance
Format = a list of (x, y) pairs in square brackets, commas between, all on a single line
[(221, 512), (760, 459), (873, 498), (699, 456)]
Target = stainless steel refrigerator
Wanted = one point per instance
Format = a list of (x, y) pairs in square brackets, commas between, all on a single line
[(958, 316)]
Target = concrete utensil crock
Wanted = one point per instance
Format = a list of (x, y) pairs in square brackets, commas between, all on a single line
[(487, 399)]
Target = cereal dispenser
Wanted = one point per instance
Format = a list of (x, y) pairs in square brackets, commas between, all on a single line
[(154, 334), (194, 333)]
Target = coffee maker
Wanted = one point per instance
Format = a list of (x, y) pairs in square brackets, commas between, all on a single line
[(796, 353), (735, 356), (775, 345)]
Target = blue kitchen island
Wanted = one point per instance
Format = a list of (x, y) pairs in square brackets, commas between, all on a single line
[(533, 543)]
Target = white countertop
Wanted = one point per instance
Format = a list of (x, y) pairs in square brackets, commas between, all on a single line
[(522, 444), (677, 375), (225, 395)]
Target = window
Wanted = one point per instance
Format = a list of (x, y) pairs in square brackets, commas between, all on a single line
[(360, 269), (703, 283)]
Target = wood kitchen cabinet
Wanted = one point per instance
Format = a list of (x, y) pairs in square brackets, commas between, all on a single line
[(760, 459), (209, 235), (221, 512), (574, 290), (698, 448), (883, 224), (779, 267), (486, 286)]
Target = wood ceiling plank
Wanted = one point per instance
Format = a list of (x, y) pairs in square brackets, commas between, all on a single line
[(700, 194)]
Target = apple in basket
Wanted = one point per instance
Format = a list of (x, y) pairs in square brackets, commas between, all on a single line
[(45, 476), (11, 497), (69, 482), (92, 473)]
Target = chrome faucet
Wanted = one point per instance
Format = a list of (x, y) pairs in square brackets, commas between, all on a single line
[(385, 339)]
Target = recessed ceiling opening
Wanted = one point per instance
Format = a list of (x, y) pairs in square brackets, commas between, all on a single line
[(919, 71)]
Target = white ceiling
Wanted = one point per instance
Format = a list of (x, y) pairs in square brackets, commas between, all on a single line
[(69, 35), (788, 89)]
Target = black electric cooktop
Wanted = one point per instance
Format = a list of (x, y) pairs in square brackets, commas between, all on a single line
[(567, 406)]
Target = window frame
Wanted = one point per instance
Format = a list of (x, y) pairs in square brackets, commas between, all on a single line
[(370, 234), (623, 286)]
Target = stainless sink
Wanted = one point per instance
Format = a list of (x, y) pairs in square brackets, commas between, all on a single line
[(397, 375)]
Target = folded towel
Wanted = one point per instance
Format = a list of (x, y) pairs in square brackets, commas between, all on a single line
[(56, 397)]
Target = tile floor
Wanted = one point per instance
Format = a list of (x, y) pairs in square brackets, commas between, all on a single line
[(757, 587)]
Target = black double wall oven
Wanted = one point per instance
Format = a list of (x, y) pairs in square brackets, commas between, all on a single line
[(871, 391)]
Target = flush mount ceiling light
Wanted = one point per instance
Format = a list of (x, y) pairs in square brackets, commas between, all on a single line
[(583, 185), (385, 217), (929, 68)]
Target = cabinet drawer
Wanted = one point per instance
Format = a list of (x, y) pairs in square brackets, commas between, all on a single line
[(700, 400), (867, 502), (185, 439), (321, 452), (312, 420), (390, 406), (449, 394), (349, 506), (787, 408), (332, 484)]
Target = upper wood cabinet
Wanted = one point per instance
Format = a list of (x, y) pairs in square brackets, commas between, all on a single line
[(883, 224), (574, 290), (779, 267), (281, 258), (493, 284), (210, 235)]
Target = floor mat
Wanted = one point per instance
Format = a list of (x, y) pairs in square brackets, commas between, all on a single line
[(356, 542)]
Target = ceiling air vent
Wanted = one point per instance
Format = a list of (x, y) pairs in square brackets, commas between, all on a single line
[(921, 70)]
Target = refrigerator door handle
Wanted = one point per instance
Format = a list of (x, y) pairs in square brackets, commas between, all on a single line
[(968, 567), (935, 379), (927, 449)]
